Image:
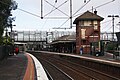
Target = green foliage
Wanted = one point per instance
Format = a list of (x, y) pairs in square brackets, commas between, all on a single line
[(5, 12), (7, 40), (111, 46)]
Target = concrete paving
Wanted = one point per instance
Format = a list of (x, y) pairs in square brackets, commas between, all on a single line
[(13, 68)]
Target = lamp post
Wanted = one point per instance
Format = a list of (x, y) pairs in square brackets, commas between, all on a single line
[(113, 18)]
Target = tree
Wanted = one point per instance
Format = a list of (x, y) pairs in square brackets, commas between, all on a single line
[(6, 6)]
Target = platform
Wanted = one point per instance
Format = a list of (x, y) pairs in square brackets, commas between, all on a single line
[(13, 68), (23, 66)]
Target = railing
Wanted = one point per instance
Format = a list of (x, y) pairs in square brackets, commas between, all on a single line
[(50, 36)]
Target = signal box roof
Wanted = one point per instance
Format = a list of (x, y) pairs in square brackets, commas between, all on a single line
[(88, 16)]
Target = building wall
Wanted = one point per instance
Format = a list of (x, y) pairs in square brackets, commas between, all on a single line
[(87, 32), (78, 42)]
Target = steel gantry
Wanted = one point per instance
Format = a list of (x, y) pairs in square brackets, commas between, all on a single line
[(68, 17)]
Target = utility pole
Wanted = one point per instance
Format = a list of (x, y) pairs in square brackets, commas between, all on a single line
[(113, 18), (41, 9), (70, 13)]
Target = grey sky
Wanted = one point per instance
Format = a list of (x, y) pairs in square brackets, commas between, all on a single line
[(25, 21)]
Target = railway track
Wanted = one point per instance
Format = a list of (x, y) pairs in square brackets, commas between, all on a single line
[(75, 70), (88, 73), (71, 70), (54, 72)]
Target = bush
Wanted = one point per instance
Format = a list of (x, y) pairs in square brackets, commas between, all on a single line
[(111, 46)]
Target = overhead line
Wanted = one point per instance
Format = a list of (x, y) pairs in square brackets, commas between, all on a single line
[(47, 19), (64, 22), (60, 28), (56, 17), (22, 10), (106, 22), (105, 26), (103, 4), (81, 7), (109, 28), (56, 8), (61, 25), (98, 6), (29, 12)]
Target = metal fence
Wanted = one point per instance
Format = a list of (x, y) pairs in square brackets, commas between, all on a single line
[(53, 35)]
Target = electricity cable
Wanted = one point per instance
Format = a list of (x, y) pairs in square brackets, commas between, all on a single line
[(106, 21), (23, 10), (109, 28), (51, 10), (98, 6), (106, 24), (61, 25), (29, 12), (64, 22), (81, 7), (103, 28), (103, 4), (55, 8)]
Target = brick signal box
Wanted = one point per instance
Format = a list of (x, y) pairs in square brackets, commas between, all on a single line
[(87, 30)]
